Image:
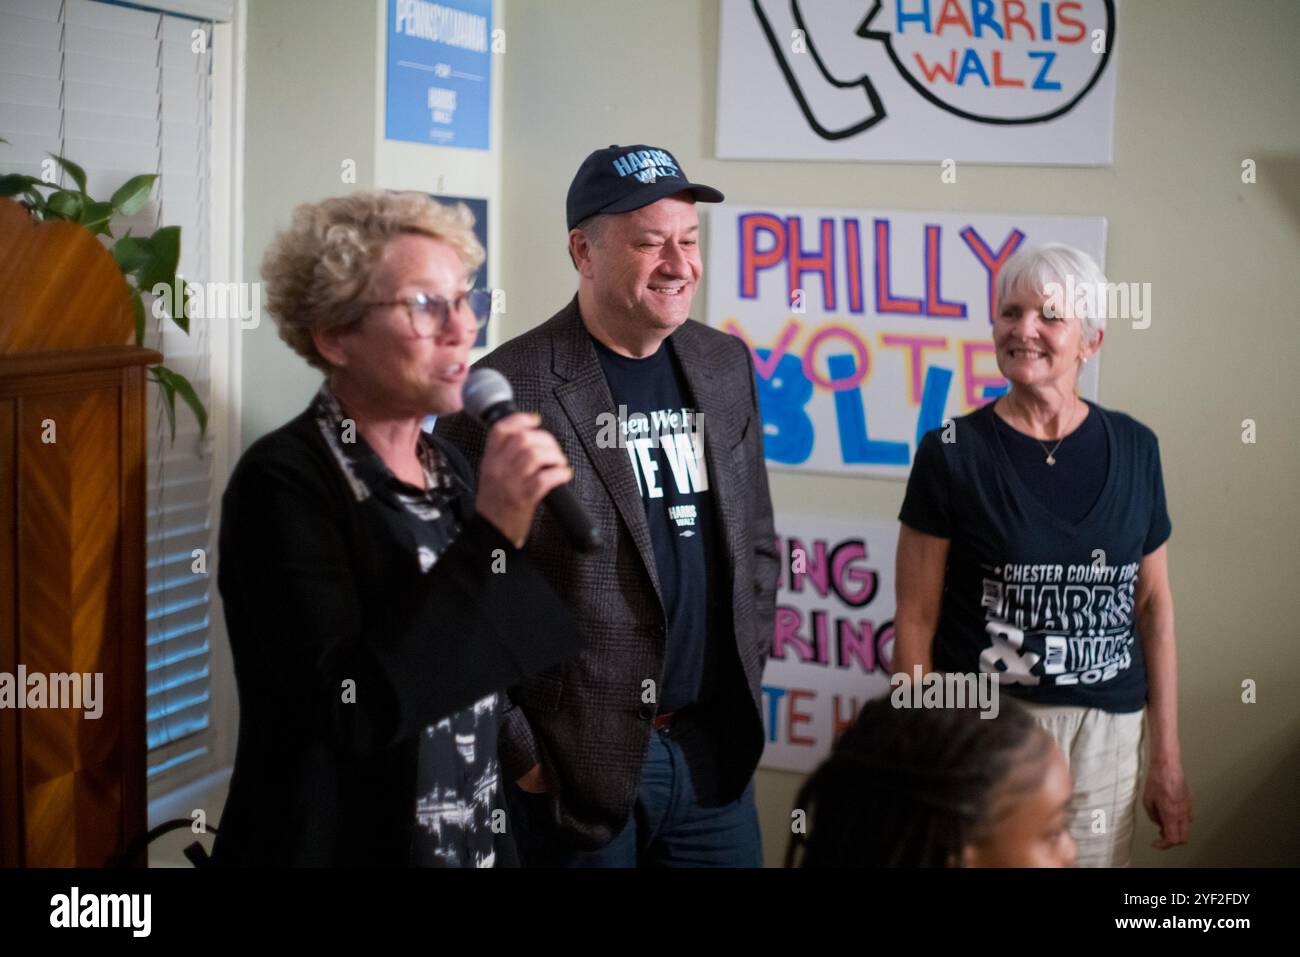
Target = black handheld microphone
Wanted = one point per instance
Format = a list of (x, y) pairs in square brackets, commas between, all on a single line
[(488, 397)]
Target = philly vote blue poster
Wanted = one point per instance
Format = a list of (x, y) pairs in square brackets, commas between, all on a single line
[(439, 72)]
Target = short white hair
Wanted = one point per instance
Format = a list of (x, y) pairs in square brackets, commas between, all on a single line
[(1032, 270)]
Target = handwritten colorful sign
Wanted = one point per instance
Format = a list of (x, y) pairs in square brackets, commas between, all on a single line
[(833, 642), (868, 328), (989, 81)]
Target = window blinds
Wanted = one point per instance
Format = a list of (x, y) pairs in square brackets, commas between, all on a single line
[(122, 90)]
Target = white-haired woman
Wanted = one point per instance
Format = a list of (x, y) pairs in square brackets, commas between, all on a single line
[(373, 606), (1033, 547)]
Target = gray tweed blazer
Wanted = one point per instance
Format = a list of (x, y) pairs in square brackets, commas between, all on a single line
[(585, 721)]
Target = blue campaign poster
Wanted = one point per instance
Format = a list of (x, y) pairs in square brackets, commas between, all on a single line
[(479, 207), (439, 87)]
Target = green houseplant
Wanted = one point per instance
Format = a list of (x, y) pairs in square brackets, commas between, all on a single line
[(146, 262)]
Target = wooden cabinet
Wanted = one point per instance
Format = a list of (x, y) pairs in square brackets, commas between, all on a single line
[(72, 589), (72, 549)]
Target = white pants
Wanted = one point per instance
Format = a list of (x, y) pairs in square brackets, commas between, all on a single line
[(1107, 757)]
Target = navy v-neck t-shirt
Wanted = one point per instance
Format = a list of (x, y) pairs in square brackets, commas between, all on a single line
[(1042, 566)]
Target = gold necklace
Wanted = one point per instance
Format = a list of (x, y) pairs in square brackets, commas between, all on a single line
[(1051, 453)]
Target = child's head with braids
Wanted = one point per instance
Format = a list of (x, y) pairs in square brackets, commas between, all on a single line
[(938, 787)]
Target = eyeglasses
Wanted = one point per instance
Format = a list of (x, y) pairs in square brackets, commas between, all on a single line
[(430, 315)]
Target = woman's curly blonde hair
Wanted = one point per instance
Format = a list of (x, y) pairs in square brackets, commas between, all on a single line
[(318, 270)]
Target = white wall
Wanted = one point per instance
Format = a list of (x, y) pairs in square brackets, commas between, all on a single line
[(310, 102)]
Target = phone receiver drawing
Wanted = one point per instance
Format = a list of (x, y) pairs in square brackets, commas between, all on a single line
[(834, 108), (1051, 82)]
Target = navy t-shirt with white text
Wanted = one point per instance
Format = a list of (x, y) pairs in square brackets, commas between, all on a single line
[(1040, 586), (665, 447)]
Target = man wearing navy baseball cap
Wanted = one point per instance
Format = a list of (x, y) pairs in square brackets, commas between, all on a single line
[(642, 749)]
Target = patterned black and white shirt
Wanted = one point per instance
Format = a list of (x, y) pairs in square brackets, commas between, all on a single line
[(458, 795)]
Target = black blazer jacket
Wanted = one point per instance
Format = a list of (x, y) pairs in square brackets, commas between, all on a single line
[(317, 592)]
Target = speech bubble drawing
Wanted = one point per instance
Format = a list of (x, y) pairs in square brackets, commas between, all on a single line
[(829, 104), (1008, 62), (1038, 55)]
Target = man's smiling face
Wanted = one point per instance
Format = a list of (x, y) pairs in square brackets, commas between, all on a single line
[(644, 266)]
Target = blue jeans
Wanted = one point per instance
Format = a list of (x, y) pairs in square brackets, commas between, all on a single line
[(668, 826)]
